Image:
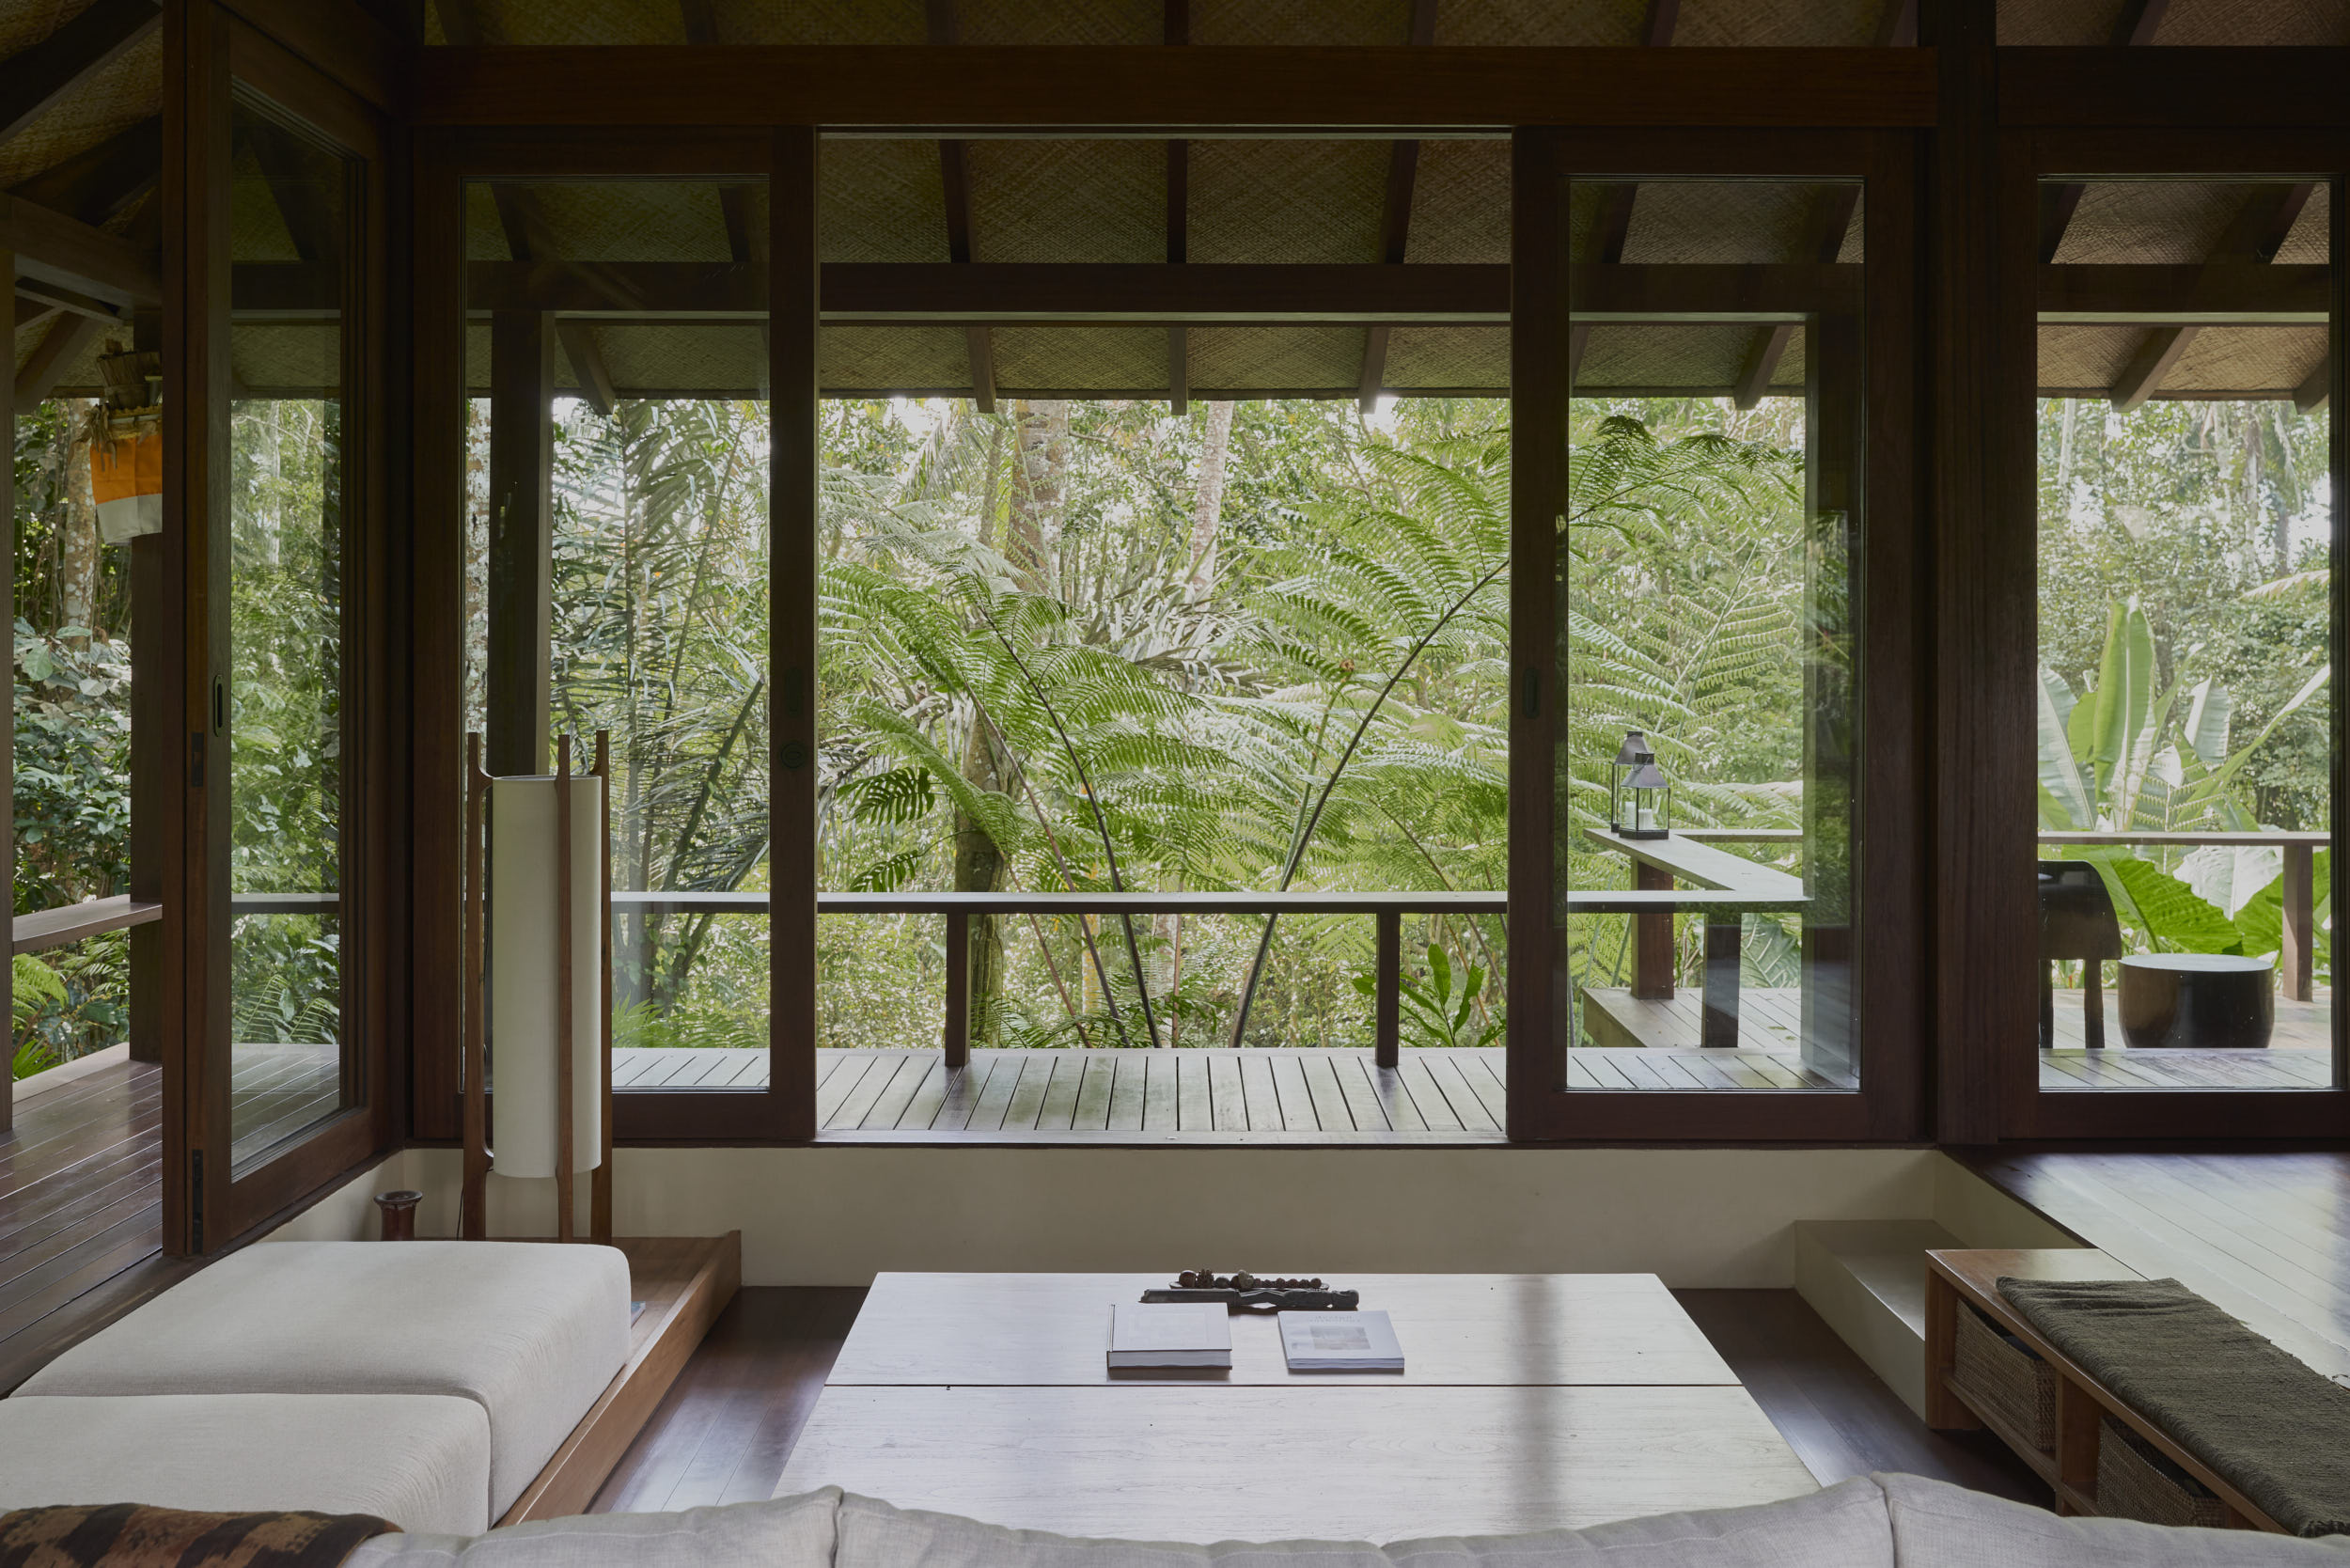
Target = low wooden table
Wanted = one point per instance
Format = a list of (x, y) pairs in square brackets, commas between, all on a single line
[(1529, 1402)]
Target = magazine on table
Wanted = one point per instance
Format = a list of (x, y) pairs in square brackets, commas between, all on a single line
[(1341, 1341)]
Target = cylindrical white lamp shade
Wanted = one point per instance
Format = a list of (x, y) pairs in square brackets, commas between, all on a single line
[(522, 973)]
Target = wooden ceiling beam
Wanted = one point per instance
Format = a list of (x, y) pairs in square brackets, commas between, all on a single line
[(885, 87), (1175, 31), (2253, 237), (53, 249), (102, 181), (66, 339), (1837, 205), (587, 367), (2316, 388), (2135, 25), (954, 179), (735, 201), (1395, 217), (1615, 201), (2214, 293), (995, 292), (31, 80)]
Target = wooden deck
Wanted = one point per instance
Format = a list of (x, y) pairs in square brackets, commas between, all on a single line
[(1624, 1030)]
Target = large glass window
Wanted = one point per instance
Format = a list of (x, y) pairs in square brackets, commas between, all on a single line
[(1706, 607), (291, 234), (617, 574), (2184, 698)]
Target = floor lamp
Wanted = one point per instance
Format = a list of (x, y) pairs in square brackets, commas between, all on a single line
[(546, 839)]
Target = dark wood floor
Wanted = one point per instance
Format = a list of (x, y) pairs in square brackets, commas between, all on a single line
[(81, 1196), (729, 1423), (2264, 1235)]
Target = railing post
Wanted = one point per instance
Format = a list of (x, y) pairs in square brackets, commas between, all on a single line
[(2300, 932), (1388, 1032), (1720, 1030), (1652, 939), (958, 1040)]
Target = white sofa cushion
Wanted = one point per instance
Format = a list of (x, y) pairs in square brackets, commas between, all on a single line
[(1937, 1525), (418, 1460), (782, 1532), (531, 1331), (1844, 1527)]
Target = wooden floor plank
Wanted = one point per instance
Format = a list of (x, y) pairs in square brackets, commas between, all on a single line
[(1160, 1101), (1027, 1099), (1002, 1084), (891, 1105), (1363, 1109), (1093, 1095), (1428, 1100), (1289, 1083), (963, 1088), (870, 1089), (1457, 1093), (1260, 1099), (922, 1109), (1226, 1101), (1193, 1112), (1126, 1092), (1321, 1084), (848, 1071), (1059, 1110)]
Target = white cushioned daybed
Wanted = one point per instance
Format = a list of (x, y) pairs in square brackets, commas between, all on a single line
[(529, 1334), (418, 1459), (1886, 1521)]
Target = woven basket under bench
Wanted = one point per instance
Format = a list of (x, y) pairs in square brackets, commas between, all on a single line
[(2001, 1378), (2138, 1480)]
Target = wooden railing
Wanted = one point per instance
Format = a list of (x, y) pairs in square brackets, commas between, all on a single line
[(2296, 957), (1738, 885)]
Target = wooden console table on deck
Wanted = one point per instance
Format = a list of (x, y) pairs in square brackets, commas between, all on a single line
[(1738, 887), (1956, 1280)]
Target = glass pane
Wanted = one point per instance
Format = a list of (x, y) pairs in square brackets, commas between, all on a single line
[(291, 236), (2185, 799), (1708, 622), (617, 463), (1081, 642)]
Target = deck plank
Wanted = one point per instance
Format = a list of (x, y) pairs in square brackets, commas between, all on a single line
[(892, 1104), (1363, 1105), (963, 1087), (1003, 1082), (1027, 1099), (1434, 1110), (1059, 1109), (1227, 1103), (1193, 1109), (1160, 1102), (1126, 1092), (1262, 1104), (1322, 1085), (1093, 1095), (1289, 1084)]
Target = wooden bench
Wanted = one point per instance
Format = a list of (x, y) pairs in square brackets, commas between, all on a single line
[(1956, 1280)]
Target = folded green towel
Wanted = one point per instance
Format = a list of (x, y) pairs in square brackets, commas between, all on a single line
[(2263, 1419)]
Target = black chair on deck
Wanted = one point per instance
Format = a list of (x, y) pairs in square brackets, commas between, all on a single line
[(2077, 925)]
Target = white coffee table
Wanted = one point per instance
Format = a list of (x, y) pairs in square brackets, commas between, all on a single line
[(1529, 1402)]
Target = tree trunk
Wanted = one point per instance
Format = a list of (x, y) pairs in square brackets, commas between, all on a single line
[(1040, 454), (77, 533), (1208, 502), (979, 869)]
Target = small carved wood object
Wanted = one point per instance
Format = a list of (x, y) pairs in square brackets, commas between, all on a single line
[(398, 1210), (1245, 1292)]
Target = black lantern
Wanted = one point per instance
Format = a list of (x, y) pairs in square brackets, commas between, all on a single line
[(1639, 797)]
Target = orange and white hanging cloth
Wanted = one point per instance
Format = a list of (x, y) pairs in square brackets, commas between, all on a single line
[(126, 475)]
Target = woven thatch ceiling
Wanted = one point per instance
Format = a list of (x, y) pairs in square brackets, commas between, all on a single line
[(1250, 201)]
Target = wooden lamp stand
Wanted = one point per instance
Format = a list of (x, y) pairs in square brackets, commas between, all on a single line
[(474, 1219)]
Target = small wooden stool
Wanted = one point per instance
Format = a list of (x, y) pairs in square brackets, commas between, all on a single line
[(2202, 1001)]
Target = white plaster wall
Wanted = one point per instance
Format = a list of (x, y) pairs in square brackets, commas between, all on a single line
[(835, 1215)]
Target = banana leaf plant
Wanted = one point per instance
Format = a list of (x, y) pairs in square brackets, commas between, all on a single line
[(2130, 756), (1439, 1008)]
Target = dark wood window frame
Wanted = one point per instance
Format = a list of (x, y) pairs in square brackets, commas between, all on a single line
[(2026, 156), (1888, 956), (207, 1204), (445, 162)]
